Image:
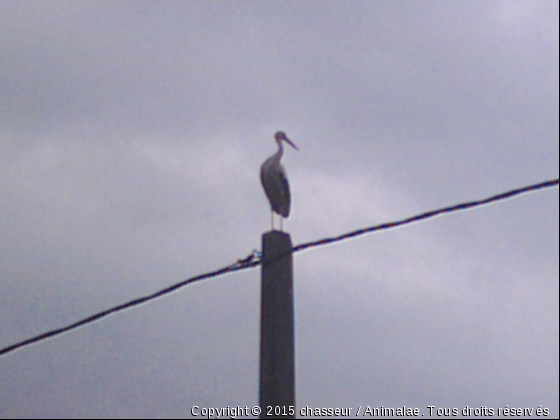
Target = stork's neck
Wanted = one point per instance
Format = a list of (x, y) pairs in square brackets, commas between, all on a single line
[(278, 155)]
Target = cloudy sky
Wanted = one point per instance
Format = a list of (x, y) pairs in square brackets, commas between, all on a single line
[(131, 135)]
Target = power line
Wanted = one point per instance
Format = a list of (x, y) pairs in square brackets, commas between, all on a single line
[(254, 259), (429, 214)]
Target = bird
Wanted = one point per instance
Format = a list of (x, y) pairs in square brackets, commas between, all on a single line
[(275, 181)]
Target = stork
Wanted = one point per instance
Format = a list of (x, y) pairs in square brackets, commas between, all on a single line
[(275, 182)]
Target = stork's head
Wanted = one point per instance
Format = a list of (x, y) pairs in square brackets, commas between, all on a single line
[(280, 135)]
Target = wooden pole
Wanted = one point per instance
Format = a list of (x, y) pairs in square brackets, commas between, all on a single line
[(277, 378)]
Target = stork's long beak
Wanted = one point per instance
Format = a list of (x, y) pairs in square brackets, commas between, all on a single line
[(290, 143)]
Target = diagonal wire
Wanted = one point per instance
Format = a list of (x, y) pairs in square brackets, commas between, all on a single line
[(127, 305), (255, 258), (429, 214)]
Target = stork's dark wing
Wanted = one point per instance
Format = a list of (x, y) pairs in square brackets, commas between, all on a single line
[(285, 209)]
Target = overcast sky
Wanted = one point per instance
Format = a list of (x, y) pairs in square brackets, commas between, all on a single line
[(131, 135)]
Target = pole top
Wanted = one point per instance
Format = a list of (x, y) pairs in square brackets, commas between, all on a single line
[(276, 234)]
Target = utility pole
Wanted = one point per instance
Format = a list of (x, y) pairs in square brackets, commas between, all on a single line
[(277, 378)]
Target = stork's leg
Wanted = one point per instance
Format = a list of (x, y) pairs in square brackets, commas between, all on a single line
[(271, 220), (281, 227)]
